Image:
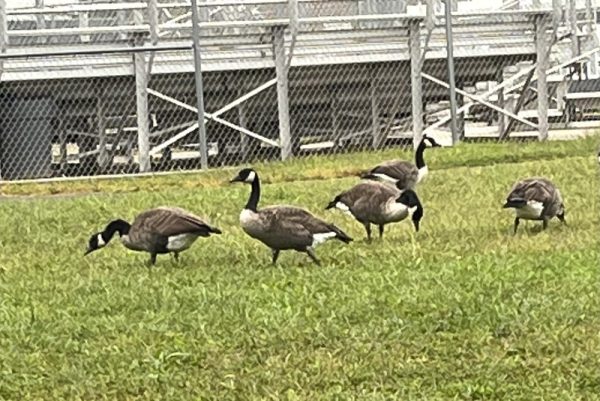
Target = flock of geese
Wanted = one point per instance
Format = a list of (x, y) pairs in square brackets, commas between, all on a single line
[(385, 195)]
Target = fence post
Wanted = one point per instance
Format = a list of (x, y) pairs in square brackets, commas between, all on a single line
[(591, 39), (285, 139), (376, 130), (416, 81), (541, 46), (572, 19), (103, 158), (199, 85), (143, 125), (242, 121), (501, 102)]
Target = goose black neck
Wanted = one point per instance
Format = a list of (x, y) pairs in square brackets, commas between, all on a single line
[(116, 226), (419, 161), (252, 203)]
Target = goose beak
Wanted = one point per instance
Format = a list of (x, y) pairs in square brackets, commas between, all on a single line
[(236, 179), (88, 251)]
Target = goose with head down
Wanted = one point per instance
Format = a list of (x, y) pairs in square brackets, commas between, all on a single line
[(535, 199), (372, 202), (156, 231)]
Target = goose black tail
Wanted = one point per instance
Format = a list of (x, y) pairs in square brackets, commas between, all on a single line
[(369, 176), (215, 230), (342, 236), (332, 204), (515, 203)]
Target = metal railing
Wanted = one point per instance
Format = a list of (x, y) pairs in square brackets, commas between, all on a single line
[(109, 88)]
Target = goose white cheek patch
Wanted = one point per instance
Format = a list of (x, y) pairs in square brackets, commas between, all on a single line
[(251, 177)]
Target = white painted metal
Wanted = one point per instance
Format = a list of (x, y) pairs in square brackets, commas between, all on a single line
[(479, 99)]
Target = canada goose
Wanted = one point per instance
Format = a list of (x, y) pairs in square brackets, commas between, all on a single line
[(535, 199), (372, 202), (160, 230), (283, 227), (402, 173)]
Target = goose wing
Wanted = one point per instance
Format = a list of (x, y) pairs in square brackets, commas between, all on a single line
[(540, 190), (294, 227), (403, 171), (168, 221), (367, 199), (533, 189)]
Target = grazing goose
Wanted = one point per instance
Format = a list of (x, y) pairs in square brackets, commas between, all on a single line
[(402, 173), (372, 202), (283, 227), (160, 230), (535, 199)]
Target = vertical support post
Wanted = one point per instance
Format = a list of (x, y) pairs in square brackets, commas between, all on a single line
[(143, 125), (501, 103), (84, 22), (541, 45), (153, 21), (591, 39), (572, 17), (556, 15), (199, 85), (40, 20), (416, 81), (103, 158), (242, 121), (62, 139), (334, 105), (3, 33), (377, 134), (451, 79), (285, 139), (460, 118)]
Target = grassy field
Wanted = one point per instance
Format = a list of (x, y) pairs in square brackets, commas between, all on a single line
[(461, 310)]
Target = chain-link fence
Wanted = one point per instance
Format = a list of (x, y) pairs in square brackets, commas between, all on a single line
[(90, 87)]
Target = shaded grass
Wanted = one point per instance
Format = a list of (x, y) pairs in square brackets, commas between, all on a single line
[(460, 310)]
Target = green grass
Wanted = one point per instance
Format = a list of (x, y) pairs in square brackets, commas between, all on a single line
[(461, 310)]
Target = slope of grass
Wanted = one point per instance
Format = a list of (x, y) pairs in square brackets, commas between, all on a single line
[(318, 167), (462, 309)]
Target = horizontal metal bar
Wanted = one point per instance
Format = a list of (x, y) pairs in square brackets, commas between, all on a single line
[(76, 8), (95, 51)]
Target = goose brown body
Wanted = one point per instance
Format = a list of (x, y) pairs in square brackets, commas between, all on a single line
[(535, 198), (372, 202), (283, 227), (156, 231)]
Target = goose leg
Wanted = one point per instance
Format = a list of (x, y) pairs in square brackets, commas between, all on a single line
[(311, 253), (381, 231), (544, 223), (176, 254), (517, 221), (562, 219), (368, 229), (152, 259), (275, 255)]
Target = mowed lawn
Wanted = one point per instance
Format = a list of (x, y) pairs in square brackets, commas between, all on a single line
[(461, 310)]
